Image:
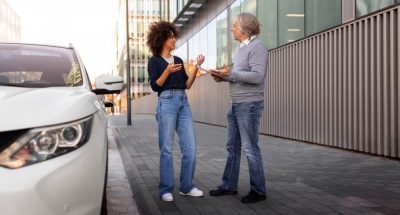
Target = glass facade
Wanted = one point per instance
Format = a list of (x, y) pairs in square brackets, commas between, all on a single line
[(234, 11), (322, 14), (164, 5), (364, 7), (144, 12), (203, 46), (268, 17), (290, 21), (173, 9), (10, 27), (282, 22), (222, 39), (211, 56), (194, 44), (249, 6)]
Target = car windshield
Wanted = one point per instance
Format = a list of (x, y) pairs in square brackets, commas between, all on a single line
[(38, 66)]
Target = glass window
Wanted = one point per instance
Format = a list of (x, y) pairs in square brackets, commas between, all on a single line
[(38, 66), (140, 27), (268, 17), (211, 57), (173, 9), (136, 53), (194, 46), (181, 4), (133, 74), (203, 49), (235, 10), (249, 6), (322, 14), (182, 52), (367, 6), (141, 74), (291, 20), (222, 39), (164, 10), (143, 52), (140, 7), (156, 7)]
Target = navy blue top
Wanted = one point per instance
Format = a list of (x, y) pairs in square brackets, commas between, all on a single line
[(175, 80)]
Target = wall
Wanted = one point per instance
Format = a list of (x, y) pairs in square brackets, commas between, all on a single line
[(338, 88)]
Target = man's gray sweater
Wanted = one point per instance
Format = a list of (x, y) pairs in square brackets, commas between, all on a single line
[(248, 72)]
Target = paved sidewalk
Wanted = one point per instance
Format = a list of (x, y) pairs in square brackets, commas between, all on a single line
[(119, 196), (301, 178)]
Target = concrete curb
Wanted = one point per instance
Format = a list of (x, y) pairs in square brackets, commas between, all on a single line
[(119, 195), (141, 194)]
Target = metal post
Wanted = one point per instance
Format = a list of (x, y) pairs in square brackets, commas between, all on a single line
[(128, 69)]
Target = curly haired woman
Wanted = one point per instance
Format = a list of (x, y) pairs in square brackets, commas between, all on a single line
[(169, 79)]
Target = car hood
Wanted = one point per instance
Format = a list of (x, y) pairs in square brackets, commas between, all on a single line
[(22, 108)]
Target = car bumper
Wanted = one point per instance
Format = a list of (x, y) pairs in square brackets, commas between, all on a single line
[(70, 184)]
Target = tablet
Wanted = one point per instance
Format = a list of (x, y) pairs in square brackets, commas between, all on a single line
[(211, 71)]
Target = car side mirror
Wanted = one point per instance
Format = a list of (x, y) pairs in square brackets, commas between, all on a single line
[(108, 84)]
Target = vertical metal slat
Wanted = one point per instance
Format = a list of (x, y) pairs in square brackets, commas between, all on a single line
[(379, 85), (385, 86), (355, 83), (392, 77)]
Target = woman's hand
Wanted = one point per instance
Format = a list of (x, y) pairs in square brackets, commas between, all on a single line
[(200, 59), (192, 76), (171, 68)]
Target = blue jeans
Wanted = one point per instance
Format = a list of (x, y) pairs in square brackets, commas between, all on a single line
[(173, 114), (243, 129)]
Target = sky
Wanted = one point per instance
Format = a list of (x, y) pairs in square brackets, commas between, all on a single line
[(88, 24)]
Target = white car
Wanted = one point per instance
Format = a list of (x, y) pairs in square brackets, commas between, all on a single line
[(53, 132)]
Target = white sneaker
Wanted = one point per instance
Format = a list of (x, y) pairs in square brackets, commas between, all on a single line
[(194, 193), (167, 197)]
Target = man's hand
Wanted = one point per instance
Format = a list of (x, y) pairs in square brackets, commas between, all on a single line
[(216, 78), (225, 72), (171, 68)]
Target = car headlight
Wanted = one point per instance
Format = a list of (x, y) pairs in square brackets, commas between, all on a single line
[(42, 144)]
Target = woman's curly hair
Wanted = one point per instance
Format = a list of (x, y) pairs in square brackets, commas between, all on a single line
[(158, 33)]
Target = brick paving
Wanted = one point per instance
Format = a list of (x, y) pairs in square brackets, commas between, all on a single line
[(119, 195), (301, 178)]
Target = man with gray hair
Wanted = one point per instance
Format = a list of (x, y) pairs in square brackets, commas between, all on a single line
[(246, 84)]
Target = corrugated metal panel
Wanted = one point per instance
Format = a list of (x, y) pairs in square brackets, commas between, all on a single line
[(397, 55), (351, 82), (396, 93), (338, 88)]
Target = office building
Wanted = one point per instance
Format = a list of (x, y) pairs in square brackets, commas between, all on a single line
[(333, 73), (141, 14), (10, 27)]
